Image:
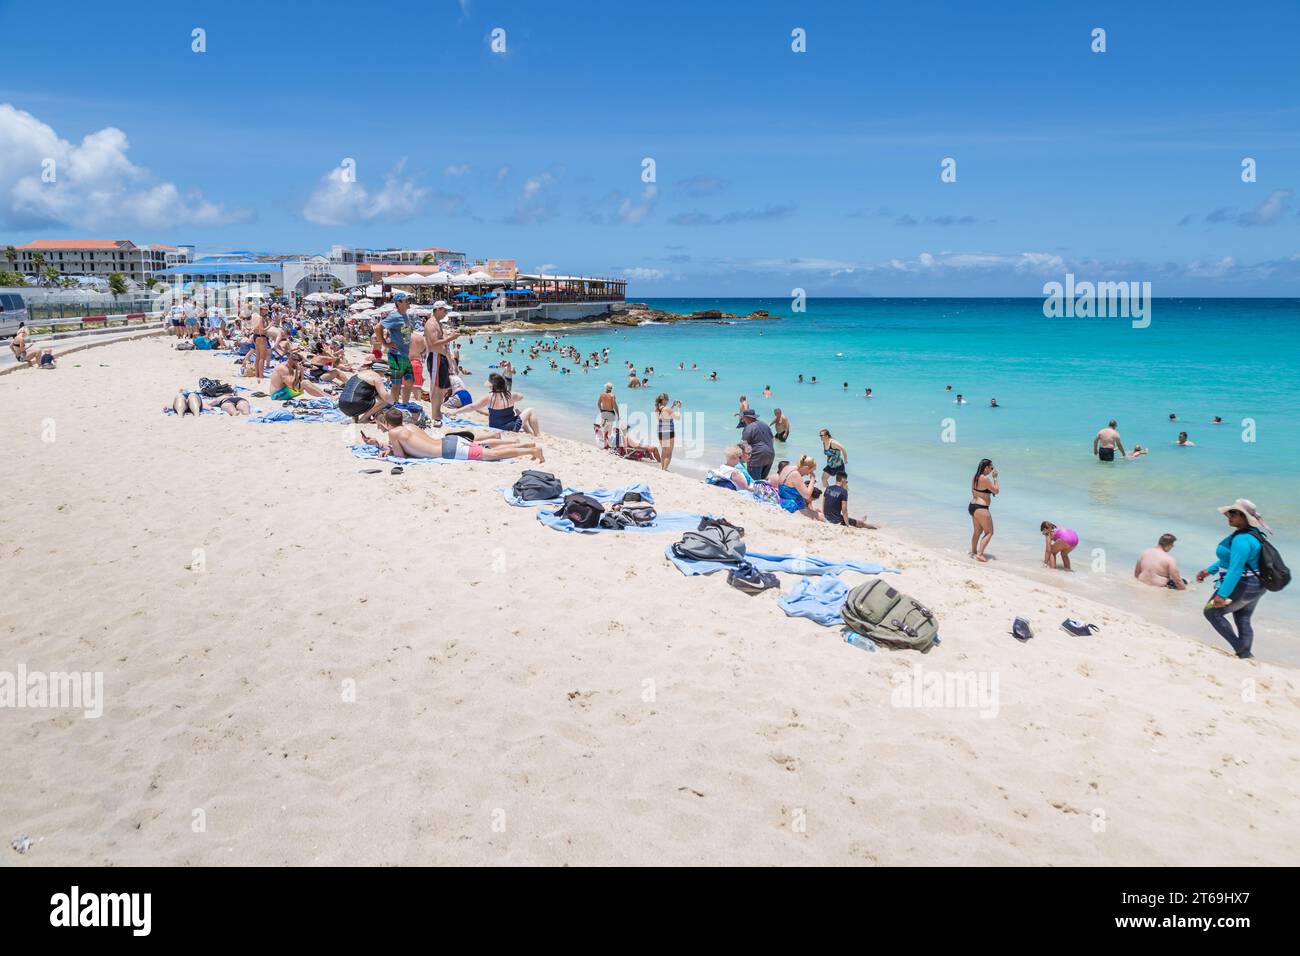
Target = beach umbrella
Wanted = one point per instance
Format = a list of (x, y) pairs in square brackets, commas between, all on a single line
[(439, 278)]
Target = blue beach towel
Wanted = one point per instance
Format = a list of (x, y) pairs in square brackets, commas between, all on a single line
[(790, 563), (370, 451), (605, 496), (818, 599), (665, 521)]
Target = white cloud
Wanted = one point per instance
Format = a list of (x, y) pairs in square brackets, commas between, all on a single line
[(94, 184), (338, 201), (533, 205), (641, 273), (456, 169), (503, 172), (548, 267), (630, 211)]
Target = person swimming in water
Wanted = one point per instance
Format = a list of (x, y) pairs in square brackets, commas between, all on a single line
[(993, 403), (1059, 542), (1183, 441), (867, 394)]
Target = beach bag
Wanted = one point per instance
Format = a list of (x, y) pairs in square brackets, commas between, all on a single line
[(764, 491), (1273, 572), (211, 388), (889, 617), (185, 345), (716, 540), (419, 419), (749, 580), (537, 486), (582, 510), (639, 513)]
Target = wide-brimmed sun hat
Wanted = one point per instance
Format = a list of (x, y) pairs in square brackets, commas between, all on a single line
[(1247, 507)]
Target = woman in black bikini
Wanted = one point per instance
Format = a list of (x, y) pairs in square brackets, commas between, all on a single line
[(982, 488), (499, 404), (667, 416), (261, 343)]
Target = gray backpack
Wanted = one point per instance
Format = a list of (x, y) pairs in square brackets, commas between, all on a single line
[(714, 541), (889, 617)]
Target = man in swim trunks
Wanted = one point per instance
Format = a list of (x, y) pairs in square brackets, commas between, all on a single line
[(287, 381), (399, 358), (780, 425), (1157, 567), (407, 441), (1106, 441), (438, 358), (607, 406)]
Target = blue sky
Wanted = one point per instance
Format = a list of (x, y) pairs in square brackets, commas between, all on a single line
[(773, 169)]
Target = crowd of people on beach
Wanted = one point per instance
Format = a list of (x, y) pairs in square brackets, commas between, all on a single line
[(302, 352)]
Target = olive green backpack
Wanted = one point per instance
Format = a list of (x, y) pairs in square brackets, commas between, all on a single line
[(889, 617)]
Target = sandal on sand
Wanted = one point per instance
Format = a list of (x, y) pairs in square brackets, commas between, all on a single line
[(397, 470), (371, 471)]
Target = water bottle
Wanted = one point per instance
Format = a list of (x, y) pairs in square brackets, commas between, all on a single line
[(857, 640)]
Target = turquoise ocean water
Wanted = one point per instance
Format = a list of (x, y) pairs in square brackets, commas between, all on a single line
[(1058, 380)]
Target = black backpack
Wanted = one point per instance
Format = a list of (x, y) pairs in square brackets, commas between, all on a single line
[(1273, 572), (716, 540), (537, 486), (211, 388), (583, 510)]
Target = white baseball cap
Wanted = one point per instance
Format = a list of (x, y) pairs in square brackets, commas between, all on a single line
[(440, 305)]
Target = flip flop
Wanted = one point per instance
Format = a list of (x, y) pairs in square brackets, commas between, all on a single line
[(397, 470), (371, 471)]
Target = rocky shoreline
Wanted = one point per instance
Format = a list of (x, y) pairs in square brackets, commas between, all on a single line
[(632, 313)]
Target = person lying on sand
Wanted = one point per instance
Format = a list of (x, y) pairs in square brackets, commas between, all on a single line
[(287, 381), (407, 441)]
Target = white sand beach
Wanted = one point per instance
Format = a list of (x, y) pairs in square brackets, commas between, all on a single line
[(527, 697)]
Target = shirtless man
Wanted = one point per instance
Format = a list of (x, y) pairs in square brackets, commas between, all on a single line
[(418, 349), (1106, 441), (607, 406), (407, 441), (287, 381), (438, 361), (1157, 567)]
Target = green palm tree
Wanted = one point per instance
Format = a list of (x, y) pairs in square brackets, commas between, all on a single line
[(12, 255), (427, 259), (51, 275), (116, 284), (38, 262)]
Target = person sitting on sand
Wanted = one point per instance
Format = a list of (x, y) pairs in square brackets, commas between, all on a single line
[(499, 406), (364, 395), (407, 441), (1059, 542), (796, 489), (835, 505), (18, 344), (1157, 567), (287, 381), (729, 470), (460, 396)]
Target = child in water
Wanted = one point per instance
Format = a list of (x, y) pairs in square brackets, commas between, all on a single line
[(1059, 542)]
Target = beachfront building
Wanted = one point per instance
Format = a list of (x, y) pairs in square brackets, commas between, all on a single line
[(447, 260), (94, 257)]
